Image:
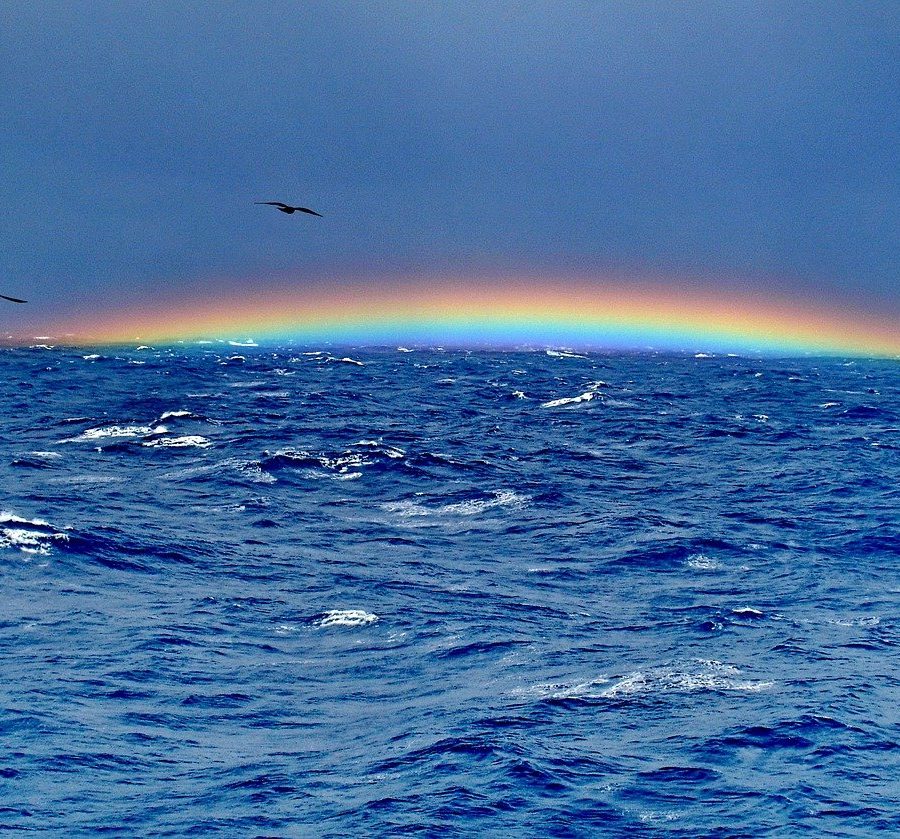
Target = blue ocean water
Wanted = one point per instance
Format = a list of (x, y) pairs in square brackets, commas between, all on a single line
[(374, 592)]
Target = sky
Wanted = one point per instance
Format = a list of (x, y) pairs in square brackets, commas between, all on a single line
[(745, 147)]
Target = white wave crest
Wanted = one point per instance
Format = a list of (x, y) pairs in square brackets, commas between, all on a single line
[(188, 441), (500, 498), (747, 612), (347, 617), (564, 354), (701, 562), (870, 620), (392, 452), (115, 431), (251, 470), (570, 400), (700, 676), (696, 675), (30, 536)]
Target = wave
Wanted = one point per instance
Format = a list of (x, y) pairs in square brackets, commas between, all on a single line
[(116, 432), (188, 441), (346, 617), (175, 415), (470, 507), (346, 464), (701, 562), (587, 396), (30, 536), (38, 460), (563, 354), (696, 675)]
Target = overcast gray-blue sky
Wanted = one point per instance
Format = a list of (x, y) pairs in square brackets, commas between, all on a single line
[(756, 140)]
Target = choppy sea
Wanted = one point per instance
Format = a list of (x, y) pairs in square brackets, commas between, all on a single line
[(258, 591)]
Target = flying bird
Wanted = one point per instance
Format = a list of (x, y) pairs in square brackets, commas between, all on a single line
[(287, 208), (12, 299)]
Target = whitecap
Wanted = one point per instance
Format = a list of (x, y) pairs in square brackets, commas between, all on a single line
[(47, 455), (703, 355), (869, 620), (248, 343), (392, 452), (30, 536), (652, 816), (91, 357), (696, 675), (502, 498), (115, 431), (403, 349), (347, 617), (347, 360), (561, 690), (143, 347), (12, 518), (701, 675), (252, 471), (701, 562), (87, 480), (188, 441), (563, 354), (570, 400), (473, 507), (518, 394), (173, 414)]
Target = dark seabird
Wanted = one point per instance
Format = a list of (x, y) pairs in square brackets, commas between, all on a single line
[(287, 208), (12, 299)]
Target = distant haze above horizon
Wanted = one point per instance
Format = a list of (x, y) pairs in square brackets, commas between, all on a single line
[(743, 148)]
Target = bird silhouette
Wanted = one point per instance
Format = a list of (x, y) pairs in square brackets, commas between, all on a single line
[(12, 299), (287, 208)]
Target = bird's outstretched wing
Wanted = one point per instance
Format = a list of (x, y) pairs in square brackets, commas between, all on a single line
[(12, 299), (307, 210), (272, 203)]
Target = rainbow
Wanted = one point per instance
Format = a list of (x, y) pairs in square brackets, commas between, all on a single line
[(503, 313)]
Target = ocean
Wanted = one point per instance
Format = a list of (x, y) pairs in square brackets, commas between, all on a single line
[(284, 591)]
